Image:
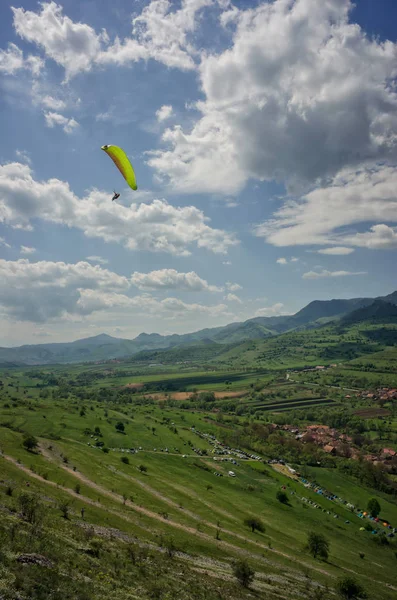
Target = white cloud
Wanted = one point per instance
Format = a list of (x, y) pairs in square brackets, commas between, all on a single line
[(295, 107), (325, 273), (97, 259), (23, 155), (45, 290), (294, 259), (228, 263), (27, 250), (352, 197), (161, 34), (271, 311), (156, 226), (170, 308), (233, 287), (336, 251), (379, 237), (12, 60), (53, 118), (170, 279), (4, 243), (281, 261), (164, 113), (53, 103), (233, 298), (74, 46)]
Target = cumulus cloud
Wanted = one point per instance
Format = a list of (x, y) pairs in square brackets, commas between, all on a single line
[(281, 261), (158, 33), (379, 237), (336, 251), (97, 259), (146, 305), (325, 273), (170, 279), (271, 311), (156, 226), (27, 250), (53, 103), (164, 113), (13, 60), (233, 287), (321, 216), (295, 107), (233, 298), (74, 46), (4, 243), (161, 34), (44, 290), (52, 119)]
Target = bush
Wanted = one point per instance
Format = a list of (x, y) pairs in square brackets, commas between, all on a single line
[(31, 509), (255, 524), (282, 497), (64, 508), (120, 427), (350, 589), (125, 460), (318, 545), (243, 572), (29, 442), (142, 468), (77, 488), (373, 507)]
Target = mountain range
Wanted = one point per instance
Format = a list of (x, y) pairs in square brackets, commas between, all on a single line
[(105, 347)]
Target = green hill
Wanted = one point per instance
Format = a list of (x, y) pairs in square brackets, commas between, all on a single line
[(104, 347)]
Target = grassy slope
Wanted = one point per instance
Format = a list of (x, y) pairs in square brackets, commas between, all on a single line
[(174, 485)]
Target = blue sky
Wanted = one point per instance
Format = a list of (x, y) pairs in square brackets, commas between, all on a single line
[(264, 140)]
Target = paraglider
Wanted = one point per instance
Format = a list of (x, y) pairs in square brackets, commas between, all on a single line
[(123, 164)]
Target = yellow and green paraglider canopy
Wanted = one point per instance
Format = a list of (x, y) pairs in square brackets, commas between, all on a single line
[(122, 162)]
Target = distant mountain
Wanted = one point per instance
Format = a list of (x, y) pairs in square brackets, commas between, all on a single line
[(378, 310), (103, 347)]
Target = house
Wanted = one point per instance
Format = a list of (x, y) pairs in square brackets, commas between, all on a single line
[(330, 450), (389, 452)]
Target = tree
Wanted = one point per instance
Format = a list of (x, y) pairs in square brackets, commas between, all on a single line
[(243, 572), (142, 468), (120, 427), (255, 524), (282, 497), (125, 460), (29, 442), (318, 545), (350, 589), (373, 507)]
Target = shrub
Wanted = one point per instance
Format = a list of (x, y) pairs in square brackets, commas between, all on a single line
[(243, 572), (31, 509), (255, 524), (125, 460), (142, 468), (373, 507), (318, 545), (282, 497), (350, 589), (29, 442), (120, 427)]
